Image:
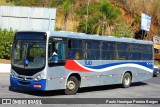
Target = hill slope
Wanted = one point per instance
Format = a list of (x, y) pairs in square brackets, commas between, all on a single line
[(109, 17)]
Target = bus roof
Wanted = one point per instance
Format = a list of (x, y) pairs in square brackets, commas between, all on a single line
[(97, 37), (75, 35)]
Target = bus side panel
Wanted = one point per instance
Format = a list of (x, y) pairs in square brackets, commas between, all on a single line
[(90, 79), (104, 73), (111, 72), (56, 78), (141, 76)]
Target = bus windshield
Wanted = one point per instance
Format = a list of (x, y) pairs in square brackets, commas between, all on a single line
[(29, 51), (28, 55)]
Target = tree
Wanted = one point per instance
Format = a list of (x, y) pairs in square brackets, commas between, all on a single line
[(102, 15), (65, 10), (109, 14), (93, 22), (6, 39)]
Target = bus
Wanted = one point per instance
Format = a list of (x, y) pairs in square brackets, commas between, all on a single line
[(45, 60)]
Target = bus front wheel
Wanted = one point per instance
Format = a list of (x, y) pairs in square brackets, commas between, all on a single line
[(126, 82), (72, 86)]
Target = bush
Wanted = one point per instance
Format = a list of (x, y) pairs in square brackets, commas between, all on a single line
[(6, 40)]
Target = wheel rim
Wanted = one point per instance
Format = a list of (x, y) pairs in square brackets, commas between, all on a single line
[(127, 80), (71, 85)]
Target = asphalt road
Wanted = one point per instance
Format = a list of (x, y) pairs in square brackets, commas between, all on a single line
[(145, 89)]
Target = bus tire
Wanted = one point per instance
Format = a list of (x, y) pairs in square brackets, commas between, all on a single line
[(126, 82), (72, 86)]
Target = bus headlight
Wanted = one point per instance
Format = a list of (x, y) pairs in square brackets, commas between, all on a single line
[(39, 77), (13, 74)]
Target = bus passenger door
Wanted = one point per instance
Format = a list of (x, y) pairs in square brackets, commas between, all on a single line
[(56, 59)]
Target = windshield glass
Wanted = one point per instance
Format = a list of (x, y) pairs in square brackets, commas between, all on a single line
[(28, 54)]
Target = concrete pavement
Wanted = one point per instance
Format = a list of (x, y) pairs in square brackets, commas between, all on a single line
[(5, 68)]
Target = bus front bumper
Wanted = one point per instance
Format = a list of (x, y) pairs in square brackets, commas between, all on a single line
[(28, 85)]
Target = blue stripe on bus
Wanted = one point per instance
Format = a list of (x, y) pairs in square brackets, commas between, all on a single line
[(145, 64)]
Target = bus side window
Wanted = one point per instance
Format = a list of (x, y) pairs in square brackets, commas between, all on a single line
[(50, 49), (146, 53), (53, 52), (70, 51), (75, 49)]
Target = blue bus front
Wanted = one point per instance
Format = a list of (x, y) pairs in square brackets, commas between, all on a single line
[(28, 61)]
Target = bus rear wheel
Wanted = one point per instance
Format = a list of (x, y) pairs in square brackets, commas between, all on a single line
[(72, 86), (126, 82)]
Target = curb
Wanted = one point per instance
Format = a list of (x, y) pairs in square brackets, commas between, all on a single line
[(5, 68)]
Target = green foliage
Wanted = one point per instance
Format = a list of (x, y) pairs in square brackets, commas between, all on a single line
[(93, 24), (6, 39), (100, 15), (136, 20), (66, 8), (110, 12), (47, 3), (16, 2), (122, 30), (31, 2), (80, 12), (93, 18), (56, 3), (58, 29), (103, 17)]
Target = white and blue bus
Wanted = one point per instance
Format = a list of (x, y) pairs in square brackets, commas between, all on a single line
[(67, 60)]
